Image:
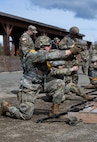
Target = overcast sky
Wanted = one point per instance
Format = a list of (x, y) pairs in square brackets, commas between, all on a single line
[(60, 13)]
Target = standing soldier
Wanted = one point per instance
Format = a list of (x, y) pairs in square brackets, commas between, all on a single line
[(93, 53), (26, 43), (93, 71), (69, 42), (84, 57)]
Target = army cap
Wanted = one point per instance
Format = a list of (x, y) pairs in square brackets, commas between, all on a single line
[(94, 58), (32, 28)]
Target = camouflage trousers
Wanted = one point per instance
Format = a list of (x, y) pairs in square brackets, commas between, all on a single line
[(84, 67), (73, 78), (71, 87), (28, 94), (26, 97), (55, 89)]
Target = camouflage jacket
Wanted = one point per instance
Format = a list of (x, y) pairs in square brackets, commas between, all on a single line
[(58, 69), (68, 43), (36, 63), (25, 44), (85, 55), (93, 52), (92, 66), (92, 73)]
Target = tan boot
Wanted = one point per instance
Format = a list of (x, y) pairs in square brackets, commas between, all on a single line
[(5, 107), (86, 97), (54, 109), (89, 86)]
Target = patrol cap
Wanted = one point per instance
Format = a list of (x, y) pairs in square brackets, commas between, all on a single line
[(32, 28), (94, 58)]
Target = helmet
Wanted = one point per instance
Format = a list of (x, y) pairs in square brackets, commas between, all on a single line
[(74, 30), (56, 39), (42, 41), (94, 58)]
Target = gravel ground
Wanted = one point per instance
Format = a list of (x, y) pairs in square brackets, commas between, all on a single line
[(50, 131)]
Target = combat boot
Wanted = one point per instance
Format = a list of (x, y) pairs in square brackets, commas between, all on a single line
[(86, 97), (89, 86), (4, 107), (54, 109)]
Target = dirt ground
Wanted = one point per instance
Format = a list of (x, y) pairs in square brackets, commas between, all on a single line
[(54, 130)]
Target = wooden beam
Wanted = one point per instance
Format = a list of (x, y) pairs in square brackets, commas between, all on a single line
[(7, 28), (87, 117)]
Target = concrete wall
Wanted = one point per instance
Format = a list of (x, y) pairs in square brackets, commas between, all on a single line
[(10, 63)]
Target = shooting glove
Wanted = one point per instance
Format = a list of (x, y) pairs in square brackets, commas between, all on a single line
[(75, 50)]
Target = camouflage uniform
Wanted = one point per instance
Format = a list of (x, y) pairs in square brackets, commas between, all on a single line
[(26, 43), (59, 73), (84, 59), (68, 43), (25, 109), (71, 87), (35, 78), (92, 71), (93, 53)]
